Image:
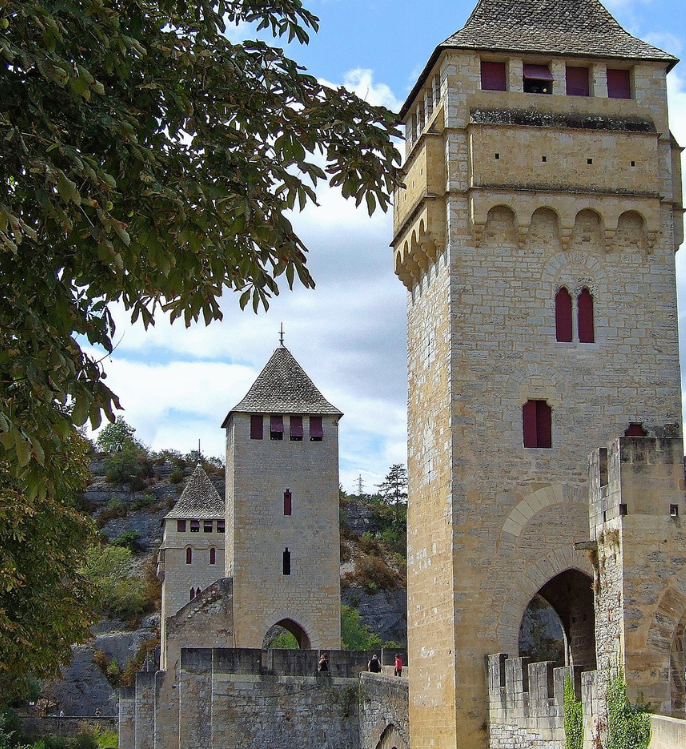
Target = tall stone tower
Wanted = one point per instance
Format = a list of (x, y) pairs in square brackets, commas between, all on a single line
[(192, 553), (536, 238), (282, 523)]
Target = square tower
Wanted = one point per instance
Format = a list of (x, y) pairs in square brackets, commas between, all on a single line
[(282, 520), (536, 238)]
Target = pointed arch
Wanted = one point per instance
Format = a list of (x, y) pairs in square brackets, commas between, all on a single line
[(586, 326), (563, 315), (290, 625)]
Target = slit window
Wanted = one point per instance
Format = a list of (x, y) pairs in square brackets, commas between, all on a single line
[(316, 429), (578, 82), (538, 79), (537, 424), (493, 76), (180, 526), (618, 84), (286, 561), (208, 526), (287, 502), (221, 526), (296, 428), (192, 593), (213, 555), (189, 555), (256, 427), (563, 316), (195, 526), (585, 312), (635, 429), (276, 427)]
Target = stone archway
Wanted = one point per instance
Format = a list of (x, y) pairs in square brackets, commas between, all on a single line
[(391, 739), (301, 636), (570, 595)]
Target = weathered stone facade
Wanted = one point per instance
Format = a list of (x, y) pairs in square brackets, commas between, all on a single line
[(511, 196)]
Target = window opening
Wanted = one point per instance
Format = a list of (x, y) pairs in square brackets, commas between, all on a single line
[(618, 84), (221, 526), (296, 428), (287, 502), (493, 76), (256, 426), (578, 82), (537, 424), (276, 427), (544, 159), (286, 562), (623, 509), (589, 161), (189, 555), (195, 526), (497, 156), (213, 555), (192, 593), (538, 79), (316, 429), (207, 526), (602, 467), (633, 163), (563, 316), (585, 312), (180, 526), (635, 429)]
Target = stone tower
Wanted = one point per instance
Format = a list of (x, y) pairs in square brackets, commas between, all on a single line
[(192, 553), (536, 238), (282, 544)]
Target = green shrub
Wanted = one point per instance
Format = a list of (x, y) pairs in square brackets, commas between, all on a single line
[(354, 634), (142, 503), (284, 640), (84, 740), (373, 574), (574, 717), (122, 467), (176, 476), (120, 592), (628, 726), (129, 540)]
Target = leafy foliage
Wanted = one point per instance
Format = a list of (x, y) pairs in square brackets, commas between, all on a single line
[(628, 726), (393, 489), (119, 591), (284, 640), (574, 717), (117, 436), (149, 161), (354, 634), (45, 605)]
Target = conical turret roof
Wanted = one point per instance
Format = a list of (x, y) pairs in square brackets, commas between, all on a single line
[(199, 500), (282, 387), (581, 28)]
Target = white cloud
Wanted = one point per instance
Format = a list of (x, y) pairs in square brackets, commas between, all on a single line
[(361, 82)]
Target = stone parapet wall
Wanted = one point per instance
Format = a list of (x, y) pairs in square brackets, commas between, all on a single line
[(384, 712), (526, 702), (667, 733)]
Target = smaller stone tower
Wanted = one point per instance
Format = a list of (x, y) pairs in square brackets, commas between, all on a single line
[(192, 553), (282, 545)]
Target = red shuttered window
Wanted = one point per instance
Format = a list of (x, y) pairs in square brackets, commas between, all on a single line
[(195, 526), (563, 316), (578, 82), (493, 76), (316, 429), (537, 424), (618, 84), (296, 428), (180, 526), (221, 525), (207, 526), (585, 309), (287, 503), (256, 427), (276, 427)]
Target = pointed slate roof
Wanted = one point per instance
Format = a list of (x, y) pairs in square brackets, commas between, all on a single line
[(199, 500), (282, 387), (582, 28)]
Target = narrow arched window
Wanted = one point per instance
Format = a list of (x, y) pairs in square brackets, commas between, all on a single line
[(563, 316), (286, 562), (189, 555), (192, 593), (213, 555), (537, 424), (287, 502), (585, 310)]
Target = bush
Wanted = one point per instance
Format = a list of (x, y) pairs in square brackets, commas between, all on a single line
[(354, 634), (142, 503), (373, 574), (128, 540), (84, 740), (176, 476), (115, 509)]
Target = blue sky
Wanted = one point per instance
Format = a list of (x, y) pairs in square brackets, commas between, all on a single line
[(177, 384)]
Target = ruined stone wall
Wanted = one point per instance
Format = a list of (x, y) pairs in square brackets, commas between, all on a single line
[(487, 532), (258, 474)]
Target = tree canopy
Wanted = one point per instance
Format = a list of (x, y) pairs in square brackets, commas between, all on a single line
[(149, 161), (393, 488)]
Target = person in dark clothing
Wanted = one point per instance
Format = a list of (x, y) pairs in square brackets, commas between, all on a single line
[(374, 665), (323, 662)]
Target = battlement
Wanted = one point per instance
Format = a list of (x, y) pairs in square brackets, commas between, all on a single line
[(526, 701)]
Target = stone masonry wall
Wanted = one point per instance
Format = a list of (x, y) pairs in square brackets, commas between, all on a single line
[(384, 714)]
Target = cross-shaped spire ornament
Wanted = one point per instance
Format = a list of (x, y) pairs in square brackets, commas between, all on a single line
[(281, 335)]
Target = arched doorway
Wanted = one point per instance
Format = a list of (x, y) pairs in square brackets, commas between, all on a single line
[(559, 622), (282, 632)]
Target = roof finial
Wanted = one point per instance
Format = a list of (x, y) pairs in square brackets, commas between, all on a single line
[(281, 335), (199, 453)]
